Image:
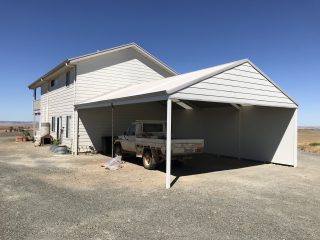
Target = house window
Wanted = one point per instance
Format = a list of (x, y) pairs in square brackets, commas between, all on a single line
[(67, 78), (53, 124), (52, 83), (68, 120)]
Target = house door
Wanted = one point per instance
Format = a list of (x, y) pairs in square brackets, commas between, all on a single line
[(58, 127)]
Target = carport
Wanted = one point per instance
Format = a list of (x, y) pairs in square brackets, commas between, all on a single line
[(260, 122)]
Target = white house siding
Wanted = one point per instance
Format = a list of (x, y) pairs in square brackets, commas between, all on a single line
[(242, 85), (106, 73), (96, 123), (43, 103), (60, 104), (113, 71)]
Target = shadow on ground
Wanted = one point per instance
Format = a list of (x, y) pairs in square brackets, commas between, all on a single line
[(200, 164)]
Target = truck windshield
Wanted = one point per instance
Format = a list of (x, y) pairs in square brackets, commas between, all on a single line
[(152, 127)]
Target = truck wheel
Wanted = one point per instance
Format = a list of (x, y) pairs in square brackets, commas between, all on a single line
[(117, 150), (148, 160)]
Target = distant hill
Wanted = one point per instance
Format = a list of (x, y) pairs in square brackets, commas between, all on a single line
[(309, 127), (15, 123)]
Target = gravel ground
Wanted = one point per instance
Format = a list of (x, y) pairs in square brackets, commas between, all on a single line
[(43, 196)]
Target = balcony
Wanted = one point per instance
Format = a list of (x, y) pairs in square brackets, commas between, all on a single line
[(36, 106)]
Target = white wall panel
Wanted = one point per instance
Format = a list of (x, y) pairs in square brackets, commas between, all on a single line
[(114, 71), (242, 85), (268, 134), (60, 104)]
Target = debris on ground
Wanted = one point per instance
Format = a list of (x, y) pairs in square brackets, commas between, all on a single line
[(59, 149), (114, 163)]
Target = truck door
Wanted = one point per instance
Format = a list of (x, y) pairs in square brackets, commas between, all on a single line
[(129, 144)]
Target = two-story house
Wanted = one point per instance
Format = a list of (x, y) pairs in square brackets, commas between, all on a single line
[(235, 107), (81, 78)]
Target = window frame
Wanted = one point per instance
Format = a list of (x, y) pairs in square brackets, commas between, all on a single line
[(67, 78), (53, 124)]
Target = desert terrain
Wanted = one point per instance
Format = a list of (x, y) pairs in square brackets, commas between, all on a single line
[(309, 139), (10, 128)]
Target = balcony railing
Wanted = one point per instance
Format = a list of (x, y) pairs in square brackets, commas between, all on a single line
[(36, 106)]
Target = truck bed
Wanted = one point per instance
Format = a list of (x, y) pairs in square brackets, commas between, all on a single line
[(178, 146)]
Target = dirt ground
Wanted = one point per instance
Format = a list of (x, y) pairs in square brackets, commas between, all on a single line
[(44, 196), (307, 137)]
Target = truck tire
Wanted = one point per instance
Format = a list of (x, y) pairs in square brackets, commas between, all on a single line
[(117, 150), (148, 160)]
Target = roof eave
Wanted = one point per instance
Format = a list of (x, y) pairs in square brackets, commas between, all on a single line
[(144, 52), (155, 59), (235, 64), (267, 77), (75, 60), (52, 71), (150, 97)]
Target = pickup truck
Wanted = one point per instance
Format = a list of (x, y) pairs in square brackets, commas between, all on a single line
[(147, 140)]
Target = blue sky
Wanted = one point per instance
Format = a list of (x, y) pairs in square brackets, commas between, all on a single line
[(281, 37)]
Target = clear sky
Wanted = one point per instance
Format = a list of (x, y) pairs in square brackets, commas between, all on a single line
[(281, 37)]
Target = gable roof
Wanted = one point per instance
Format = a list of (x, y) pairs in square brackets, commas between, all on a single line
[(68, 63), (167, 86)]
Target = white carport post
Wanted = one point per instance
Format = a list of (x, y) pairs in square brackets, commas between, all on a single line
[(112, 130), (168, 150)]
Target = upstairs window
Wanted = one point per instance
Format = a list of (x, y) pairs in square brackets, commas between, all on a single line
[(37, 93), (52, 83), (67, 78), (53, 124)]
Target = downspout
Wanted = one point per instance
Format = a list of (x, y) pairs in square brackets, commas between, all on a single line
[(47, 107), (33, 114), (75, 125), (77, 133)]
